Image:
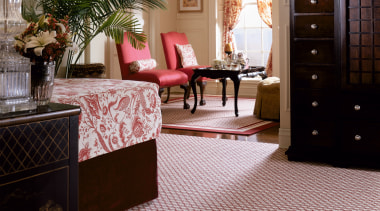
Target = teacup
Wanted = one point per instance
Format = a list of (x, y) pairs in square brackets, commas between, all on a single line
[(218, 64)]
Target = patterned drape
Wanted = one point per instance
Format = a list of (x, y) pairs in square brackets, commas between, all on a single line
[(232, 9), (265, 11)]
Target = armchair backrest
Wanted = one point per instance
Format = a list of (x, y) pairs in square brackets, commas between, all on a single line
[(127, 54), (169, 40)]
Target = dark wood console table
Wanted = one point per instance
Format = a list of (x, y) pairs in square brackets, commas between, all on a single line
[(234, 75), (39, 158)]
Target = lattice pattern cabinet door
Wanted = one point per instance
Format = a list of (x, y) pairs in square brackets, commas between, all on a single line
[(39, 159), (360, 82)]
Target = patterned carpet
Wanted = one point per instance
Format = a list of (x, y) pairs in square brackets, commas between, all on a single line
[(217, 174), (214, 117)]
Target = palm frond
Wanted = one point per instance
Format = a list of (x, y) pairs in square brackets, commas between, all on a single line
[(115, 26), (28, 11), (120, 22), (88, 18)]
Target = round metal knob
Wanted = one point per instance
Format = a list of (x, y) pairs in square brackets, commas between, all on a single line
[(314, 1), (314, 52), (314, 77), (357, 107), (314, 103), (314, 132), (314, 26), (358, 138)]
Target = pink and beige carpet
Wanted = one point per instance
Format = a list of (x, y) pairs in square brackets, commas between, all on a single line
[(214, 117), (218, 174)]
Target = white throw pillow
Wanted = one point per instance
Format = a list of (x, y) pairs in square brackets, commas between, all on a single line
[(142, 65), (186, 52)]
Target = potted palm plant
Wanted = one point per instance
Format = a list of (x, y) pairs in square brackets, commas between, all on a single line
[(89, 18)]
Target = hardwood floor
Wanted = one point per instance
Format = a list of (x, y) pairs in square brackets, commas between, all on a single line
[(269, 135)]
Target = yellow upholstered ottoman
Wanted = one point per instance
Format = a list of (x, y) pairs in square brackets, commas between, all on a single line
[(267, 104)]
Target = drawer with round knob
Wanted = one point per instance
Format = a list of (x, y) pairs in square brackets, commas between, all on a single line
[(360, 136), (314, 26), (314, 52), (315, 77), (307, 132), (314, 6), (317, 104), (360, 107)]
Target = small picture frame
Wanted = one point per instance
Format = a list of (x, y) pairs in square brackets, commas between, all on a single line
[(190, 5)]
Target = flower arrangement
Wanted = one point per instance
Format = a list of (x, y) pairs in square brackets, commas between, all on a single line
[(45, 40)]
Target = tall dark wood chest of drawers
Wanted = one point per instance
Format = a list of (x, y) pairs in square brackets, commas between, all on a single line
[(335, 81), (39, 159)]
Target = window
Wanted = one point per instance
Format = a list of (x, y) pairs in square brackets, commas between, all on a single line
[(252, 35)]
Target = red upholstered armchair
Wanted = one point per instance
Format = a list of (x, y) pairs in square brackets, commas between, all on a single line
[(173, 59), (129, 57)]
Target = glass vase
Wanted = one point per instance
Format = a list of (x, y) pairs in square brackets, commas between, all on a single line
[(42, 82)]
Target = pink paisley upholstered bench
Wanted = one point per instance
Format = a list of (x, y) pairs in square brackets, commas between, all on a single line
[(118, 126)]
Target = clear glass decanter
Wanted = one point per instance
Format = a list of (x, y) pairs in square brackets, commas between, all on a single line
[(14, 69)]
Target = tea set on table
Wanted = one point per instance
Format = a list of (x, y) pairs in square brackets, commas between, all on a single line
[(233, 60)]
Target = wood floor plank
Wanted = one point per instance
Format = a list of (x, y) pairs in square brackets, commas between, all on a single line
[(269, 135)]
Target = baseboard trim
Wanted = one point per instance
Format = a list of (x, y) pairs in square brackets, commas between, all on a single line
[(284, 137)]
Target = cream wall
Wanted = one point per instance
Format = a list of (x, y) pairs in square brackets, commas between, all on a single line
[(203, 30), (196, 25), (161, 21)]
